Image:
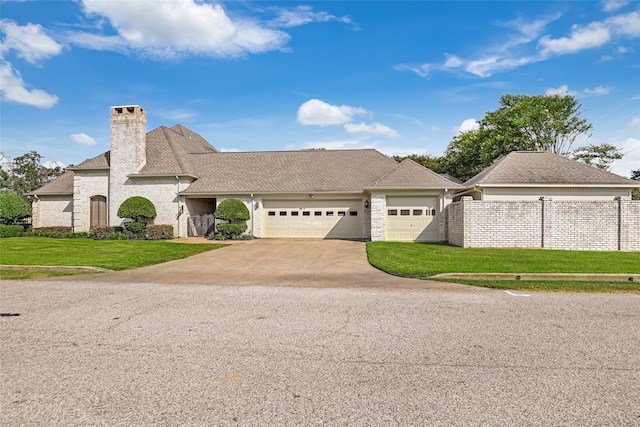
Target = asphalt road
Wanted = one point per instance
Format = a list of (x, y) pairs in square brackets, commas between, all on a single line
[(116, 354)]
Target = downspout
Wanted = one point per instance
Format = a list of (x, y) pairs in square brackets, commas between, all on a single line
[(38, 213), (179, 211)]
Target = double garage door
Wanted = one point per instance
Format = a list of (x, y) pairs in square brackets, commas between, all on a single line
[(412, 219), (331, 219)]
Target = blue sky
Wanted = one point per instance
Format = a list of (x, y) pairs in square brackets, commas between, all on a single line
[(401, 77)]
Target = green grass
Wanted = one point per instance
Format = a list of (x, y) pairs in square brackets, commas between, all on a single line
[(110, 254), (37, 274), (552, 285), (426, 259), (422, 260)]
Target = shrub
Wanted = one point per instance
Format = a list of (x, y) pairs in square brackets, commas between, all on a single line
[(102, 232), (58, 228), (58, 234), (116, 235), (232, 210), (13, 208), (139, 209), (159, 232), (215, 236), (231, 231), (11, 230), (135, 227)]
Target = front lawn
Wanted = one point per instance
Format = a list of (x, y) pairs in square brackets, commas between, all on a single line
[(422, 260), (110, 254)]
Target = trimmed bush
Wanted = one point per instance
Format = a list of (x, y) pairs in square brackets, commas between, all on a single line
[(11, 230), (117, 236), (159, 232), (139, 209), (58, 234), (13, 208), (231, 230), (57, 228), (232, 210), (102, 232), (135, 227)]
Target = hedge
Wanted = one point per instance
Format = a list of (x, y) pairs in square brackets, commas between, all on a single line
[(11, 230), (159, 232), (231, 230)]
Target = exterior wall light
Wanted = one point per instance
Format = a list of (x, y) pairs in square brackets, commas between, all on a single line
[(366, 204)]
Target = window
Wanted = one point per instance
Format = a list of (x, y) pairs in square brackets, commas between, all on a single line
[(271, 213), (417, 212), (341, 213), (317, 213), (283, 213), (329, 213), (405, 212), (433, 212), (294, 213), (392, 212), (353, 213), (306, 213)]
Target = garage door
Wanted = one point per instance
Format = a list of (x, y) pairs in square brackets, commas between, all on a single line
[(331, 219), (412, 219)]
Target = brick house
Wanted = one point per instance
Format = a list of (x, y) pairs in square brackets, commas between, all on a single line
[(348, 194)]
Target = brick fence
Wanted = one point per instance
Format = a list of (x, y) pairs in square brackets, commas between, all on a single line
[(583, 225)]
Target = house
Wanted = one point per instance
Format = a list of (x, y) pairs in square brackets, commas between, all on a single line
[(543, 200), (529, 175), (342, 194)]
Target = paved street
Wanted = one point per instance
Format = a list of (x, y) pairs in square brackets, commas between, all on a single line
[(84, 352)]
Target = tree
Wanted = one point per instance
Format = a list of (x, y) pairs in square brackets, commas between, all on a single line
[(27, 173), (236, 213), (635, 193), (522, 123), (13, 208), (600, 156), (139, 209), (426, 160), (537, 122)]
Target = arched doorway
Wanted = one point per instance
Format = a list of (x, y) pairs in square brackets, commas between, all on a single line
[(98, 211)]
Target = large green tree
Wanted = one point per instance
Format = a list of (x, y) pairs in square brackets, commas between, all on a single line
[(27, 173), (600, 156), (521, 123)]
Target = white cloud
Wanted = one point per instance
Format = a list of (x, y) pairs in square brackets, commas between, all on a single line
[(631, 157), (174, 28), (467, 126), (302, 15), (593, 35), (625, 25), (51, 164), (564, 90), (14, 89), (319, 113), (634, 123), (373, 129), (613, 5), (598, 90), (83, 138), (29, 41)]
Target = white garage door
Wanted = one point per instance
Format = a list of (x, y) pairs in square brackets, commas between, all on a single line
[(331, 219), (412, 219)]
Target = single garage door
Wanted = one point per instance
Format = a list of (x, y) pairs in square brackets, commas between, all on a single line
[(330, 219), (412, 219)]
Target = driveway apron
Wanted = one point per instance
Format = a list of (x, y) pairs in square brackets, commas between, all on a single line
[(275, 262)]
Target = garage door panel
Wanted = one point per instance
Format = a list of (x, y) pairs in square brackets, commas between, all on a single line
[(339, 219), (412, 219)]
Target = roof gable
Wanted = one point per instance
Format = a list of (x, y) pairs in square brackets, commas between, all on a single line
[(409, 174), (63, 184), (543, 168)]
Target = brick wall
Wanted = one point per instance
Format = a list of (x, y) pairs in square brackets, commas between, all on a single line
[(51, 211), (87, 184), (581, 225)]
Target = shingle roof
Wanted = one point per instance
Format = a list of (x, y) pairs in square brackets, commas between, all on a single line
[(289, 171), (169, 150), (544, 168), (101, 161), (409, 174), (61, 185)]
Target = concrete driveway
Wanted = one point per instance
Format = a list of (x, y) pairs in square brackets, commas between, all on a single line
[(274, 262)]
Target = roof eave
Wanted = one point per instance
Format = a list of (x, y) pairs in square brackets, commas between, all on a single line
[(552, 185), (98, 168)]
